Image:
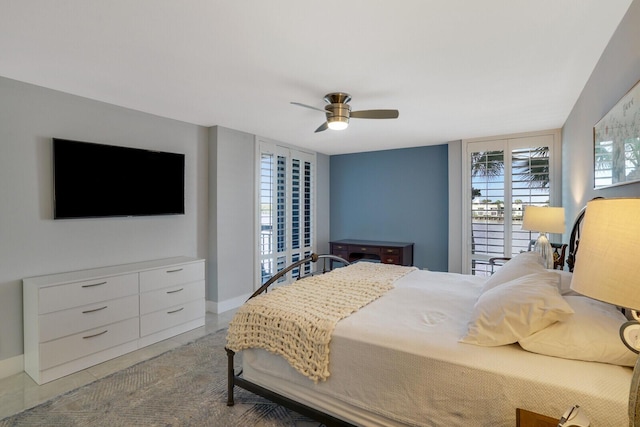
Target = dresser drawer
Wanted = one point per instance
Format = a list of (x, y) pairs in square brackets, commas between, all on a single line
[(171, 316), (61, 297), (74, 320), (389, 251), (170, 276), (91, 341), (172, 296)]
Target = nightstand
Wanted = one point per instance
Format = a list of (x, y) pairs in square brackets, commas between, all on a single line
[(526, 418)]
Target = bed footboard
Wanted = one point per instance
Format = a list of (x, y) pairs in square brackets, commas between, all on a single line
[(237, 380)]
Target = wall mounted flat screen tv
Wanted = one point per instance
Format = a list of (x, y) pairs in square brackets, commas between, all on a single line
[(95, 180)]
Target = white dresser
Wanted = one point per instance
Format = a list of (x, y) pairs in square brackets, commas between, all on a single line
[(81, 318)]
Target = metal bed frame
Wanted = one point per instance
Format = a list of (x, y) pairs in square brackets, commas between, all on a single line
[(326, 419), (234, 379)]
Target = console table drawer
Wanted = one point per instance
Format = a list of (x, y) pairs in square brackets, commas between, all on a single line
[(78, 319), (364, 249), (171, 316), (63, 350), (61, 297), (171, 276), (390, 259), (169, 297), (400, 253)]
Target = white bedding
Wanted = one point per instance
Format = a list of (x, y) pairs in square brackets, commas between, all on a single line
[(398, 361)]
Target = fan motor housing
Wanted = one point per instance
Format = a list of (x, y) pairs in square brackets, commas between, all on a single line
[(338, 110)]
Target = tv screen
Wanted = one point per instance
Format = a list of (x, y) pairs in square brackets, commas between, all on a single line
[(97, 180)]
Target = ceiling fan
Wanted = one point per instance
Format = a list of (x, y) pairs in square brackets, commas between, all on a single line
[(339, 112)]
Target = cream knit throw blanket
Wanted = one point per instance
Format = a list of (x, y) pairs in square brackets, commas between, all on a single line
[(296, 321)]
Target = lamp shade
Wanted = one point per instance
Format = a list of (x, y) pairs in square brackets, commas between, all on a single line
[(543, 219), (607, 266)]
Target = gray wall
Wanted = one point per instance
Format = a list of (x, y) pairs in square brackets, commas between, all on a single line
[(616, 72), (231, 204), (455, 207), (32, 243), (323, 199), (394, 195)]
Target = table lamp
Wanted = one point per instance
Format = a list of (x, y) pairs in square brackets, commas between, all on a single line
[(607, 269), (544, 220)]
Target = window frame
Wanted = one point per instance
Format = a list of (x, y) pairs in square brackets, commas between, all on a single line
[(506, 143)]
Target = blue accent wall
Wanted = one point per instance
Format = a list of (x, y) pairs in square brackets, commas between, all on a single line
[(394, 195)]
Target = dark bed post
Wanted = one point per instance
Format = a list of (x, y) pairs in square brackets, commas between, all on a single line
[(230, 375)]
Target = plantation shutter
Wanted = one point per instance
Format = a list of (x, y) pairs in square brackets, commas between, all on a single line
[(286, 209)]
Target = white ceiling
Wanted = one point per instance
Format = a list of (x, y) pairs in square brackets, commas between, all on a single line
[(454, 68)]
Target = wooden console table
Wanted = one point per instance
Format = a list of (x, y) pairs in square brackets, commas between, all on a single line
[(399, 253)]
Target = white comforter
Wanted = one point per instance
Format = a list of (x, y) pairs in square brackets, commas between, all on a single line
[(398, 361)]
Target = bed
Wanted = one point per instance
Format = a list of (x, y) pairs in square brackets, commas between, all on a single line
[(445, 349)]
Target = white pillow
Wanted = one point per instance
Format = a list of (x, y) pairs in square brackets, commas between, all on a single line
[(522, 264), (514, 310), (564, 285), (591, 334)]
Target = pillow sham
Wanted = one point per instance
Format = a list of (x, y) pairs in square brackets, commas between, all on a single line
[(591, 334), (516, 309), (522, 264)]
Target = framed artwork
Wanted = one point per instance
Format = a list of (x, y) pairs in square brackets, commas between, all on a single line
[(616, 143)]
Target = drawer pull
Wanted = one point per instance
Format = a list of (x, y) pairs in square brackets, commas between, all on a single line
[(94, 284), (95, 335), (175, 271), (175, 311), (173, 292), (363, 249), (95, 309)]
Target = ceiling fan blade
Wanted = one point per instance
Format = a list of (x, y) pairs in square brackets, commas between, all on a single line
[(308, 106), (375, 114), (322, 127)]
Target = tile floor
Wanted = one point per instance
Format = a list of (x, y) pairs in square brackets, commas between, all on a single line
[(19, 392)]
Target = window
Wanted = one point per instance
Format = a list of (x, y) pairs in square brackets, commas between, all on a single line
[(502, 177), (286, 209)]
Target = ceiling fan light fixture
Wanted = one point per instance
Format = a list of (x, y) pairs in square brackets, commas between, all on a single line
[(337, 122), (338, 112)]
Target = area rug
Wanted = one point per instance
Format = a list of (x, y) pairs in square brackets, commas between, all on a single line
[(182, 387)]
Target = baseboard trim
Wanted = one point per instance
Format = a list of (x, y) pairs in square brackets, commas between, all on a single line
[(11, 366), (226, 305)]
